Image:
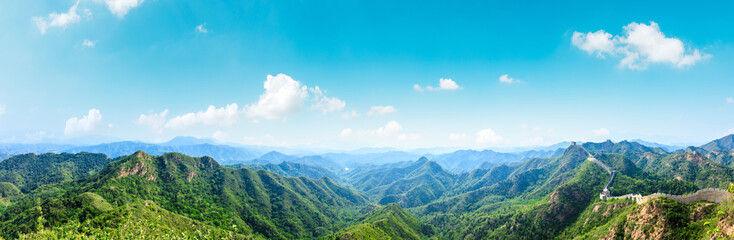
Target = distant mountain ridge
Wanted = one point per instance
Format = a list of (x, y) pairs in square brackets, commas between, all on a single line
[(726, 142), (535, 198)]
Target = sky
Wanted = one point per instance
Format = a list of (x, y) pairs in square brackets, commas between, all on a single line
[(351, 74)]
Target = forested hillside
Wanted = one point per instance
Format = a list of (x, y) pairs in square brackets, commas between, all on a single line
[(29, 171), (177, 196)]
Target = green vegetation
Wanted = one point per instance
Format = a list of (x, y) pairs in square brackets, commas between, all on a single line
[(290, 169), (387, 222), (238, 200), (174, 196), (693, 167), (29, 171), (410, 186), (143, 220)]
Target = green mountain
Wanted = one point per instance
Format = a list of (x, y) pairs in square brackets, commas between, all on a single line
[(386, 222), (291, 169), (726, 142), (178, 196), (145, 220), (29, 171), (242, 201), (413, 185), (660, 218), (693, 167)]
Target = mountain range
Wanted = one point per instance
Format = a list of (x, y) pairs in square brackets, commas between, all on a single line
[(533, 195)]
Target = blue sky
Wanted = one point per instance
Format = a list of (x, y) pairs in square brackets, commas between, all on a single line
[(659, 71)]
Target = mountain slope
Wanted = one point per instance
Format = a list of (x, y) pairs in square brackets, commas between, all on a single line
[(726, 142), (290, 169), (144, 220), (413, 185), (242, 201), (29, 171), (692, 167), (225, 154), (386, 222), (467, 160)]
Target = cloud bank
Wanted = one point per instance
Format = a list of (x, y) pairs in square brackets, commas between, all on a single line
[(639, 45)]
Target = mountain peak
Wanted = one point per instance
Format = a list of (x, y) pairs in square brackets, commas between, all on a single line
[(726, 142)]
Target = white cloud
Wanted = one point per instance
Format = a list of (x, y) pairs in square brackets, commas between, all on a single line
[(507, 79), (443, 84), (212, 116), (2, 109), (488, 136), (202, 28), (639, 45), (89, 124), (380, 110), (283, 97), (600, 132), (220, 136), (324, 103), (729, 100), (598, 42), (57, 19), (87, 13), (121, 7), (347, 132), (390, 129), (348, 115), (457, 136), (154, 121), (417, 87), (89, 43)]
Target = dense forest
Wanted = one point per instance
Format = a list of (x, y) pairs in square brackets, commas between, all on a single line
[(175, 196)]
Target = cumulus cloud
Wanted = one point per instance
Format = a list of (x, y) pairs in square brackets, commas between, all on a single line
[(598, 42), (212, 116), (390, 129), (639, 45), (443, 84), (283, 97), (348, 115), (88, 124), (600, 132), (324, 103), (57, 19), (729, 100), (202, 28), (488, 136), (347, 132), (457, 136), (380, 110), (120, 8), (154, 121), (88, 43), (507, 79), (2, 109)]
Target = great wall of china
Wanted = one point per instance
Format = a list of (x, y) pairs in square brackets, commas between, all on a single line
[(709, 194)]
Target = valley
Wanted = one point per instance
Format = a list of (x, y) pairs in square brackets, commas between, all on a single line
[(280, 196)]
